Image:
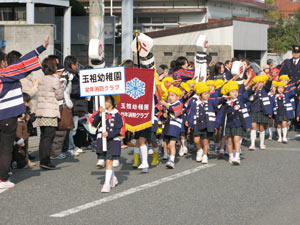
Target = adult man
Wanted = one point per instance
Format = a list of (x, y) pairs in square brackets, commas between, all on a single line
[(291, 67), (228, 65), (12, 104)]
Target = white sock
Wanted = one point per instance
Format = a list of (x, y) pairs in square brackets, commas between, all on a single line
[(241, 140), (284, 132), (172, 158), (200, 150), (231, 155), (136, 151), (262, 138), (271, 131), (279, 133), (237, 155), (156, 149), (113, 173), (144, 153), (108, 176), (183, 142), (253, 137)]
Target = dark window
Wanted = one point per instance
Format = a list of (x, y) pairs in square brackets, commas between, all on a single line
[(190, 54), (213, 54), (168, 53), (170, 19), (157, 19), (144, 19)]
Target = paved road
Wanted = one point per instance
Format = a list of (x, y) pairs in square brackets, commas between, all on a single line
[(264, 190)]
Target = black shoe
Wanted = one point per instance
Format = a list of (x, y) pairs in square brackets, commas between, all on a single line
[(30, 157), (48, 166)]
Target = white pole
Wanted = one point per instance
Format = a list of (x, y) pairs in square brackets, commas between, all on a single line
[(96, 25), (67, 32), (30, 12), (111, 7), (127, 28)]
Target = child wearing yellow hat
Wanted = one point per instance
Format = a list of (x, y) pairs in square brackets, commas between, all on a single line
[(234, 118), (202, 119), (283, 110), (191, 84), (171, 131), (115, 127), (261, 109), (185, 90)]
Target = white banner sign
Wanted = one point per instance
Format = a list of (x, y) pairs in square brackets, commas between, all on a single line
[(102, 81)]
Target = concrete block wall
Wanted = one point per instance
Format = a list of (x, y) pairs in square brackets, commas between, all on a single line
[(25, 38), (224, 52)]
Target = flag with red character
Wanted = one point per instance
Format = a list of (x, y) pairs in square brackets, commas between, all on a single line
[(136, 106)]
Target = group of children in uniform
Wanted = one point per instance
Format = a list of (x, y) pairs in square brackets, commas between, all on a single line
[(199, 112)]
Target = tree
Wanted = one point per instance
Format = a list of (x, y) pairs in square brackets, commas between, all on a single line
[(272, 14), (284, 34)]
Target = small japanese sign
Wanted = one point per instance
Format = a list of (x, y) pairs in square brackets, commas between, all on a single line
[(102, 81)]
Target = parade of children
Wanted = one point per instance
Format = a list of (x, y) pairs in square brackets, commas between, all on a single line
[(196, 117)]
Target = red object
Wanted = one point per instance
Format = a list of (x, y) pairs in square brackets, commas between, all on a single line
[(136, 108)]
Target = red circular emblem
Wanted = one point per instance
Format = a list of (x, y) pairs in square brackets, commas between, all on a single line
[(237, 107), (206, 44), (100, 50)]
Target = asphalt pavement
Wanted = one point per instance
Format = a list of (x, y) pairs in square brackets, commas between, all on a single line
[(263, 190)]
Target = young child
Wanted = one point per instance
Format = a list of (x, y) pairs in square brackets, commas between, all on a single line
[(234, 118), (261, 109), (115, 128), (171, 132), (203, 120), (283, 110), (212, 85), (185, 90), (191, 84)]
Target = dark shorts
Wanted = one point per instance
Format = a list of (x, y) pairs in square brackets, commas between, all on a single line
[(108, 156), (146, 133), (281, 118), (204, 134), (239, 131), (259, 117), (169, 138)]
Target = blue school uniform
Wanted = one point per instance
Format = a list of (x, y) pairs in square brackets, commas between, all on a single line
[(282, 107), (114, 127), (234, 116), (174, 121), (202, 116)]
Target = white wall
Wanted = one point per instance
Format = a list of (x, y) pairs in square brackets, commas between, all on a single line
[(227, 10), (218, 36), (192, 18), (250, 36)]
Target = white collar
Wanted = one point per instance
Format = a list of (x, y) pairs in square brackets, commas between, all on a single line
[(295, 60), (173, 103), (229, 101), (114, 111)]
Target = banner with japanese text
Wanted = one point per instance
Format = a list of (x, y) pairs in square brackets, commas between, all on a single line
[(102, 81), (136, 106)]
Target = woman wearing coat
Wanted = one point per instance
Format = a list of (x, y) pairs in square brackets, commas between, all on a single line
[(50, 92)]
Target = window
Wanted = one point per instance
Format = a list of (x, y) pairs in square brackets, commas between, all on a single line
[(170, 19), (168, 53), (144, 20), (213, 54), (6, 14), (190, 54), (157, 20)]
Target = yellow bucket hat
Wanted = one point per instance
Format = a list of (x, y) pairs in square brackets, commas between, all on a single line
[(175, 90), (185, 87), (230, 86), (202, 88), (284, 77)]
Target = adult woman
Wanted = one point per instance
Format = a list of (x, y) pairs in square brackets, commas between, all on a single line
[(219, 71), (72, 95), (50, 92), (181, 70)]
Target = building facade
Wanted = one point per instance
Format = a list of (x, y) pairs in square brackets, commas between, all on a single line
[(287, 7)]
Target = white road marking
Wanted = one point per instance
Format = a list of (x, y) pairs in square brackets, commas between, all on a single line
[(130, 191), (2, 190), (284, 149)]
